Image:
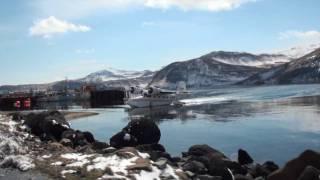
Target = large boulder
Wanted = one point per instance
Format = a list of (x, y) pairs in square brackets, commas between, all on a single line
[(216, 163), (123, 139), (294, 168), (244, 157), (47, 125), (310, 173), (137, 132)]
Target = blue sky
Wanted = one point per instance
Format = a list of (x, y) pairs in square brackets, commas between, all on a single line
[(48, 40)]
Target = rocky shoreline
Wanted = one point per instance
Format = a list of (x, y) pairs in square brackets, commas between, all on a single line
[(43, 146)]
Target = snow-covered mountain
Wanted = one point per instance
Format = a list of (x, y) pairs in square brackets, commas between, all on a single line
[(247, 59), (201, 72), (299, 51), (112, 74), (303, 70)]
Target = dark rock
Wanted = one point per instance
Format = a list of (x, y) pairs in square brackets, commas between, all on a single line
[(208, 177), (204, 150), (270, 166), (237, 168), (195, 167), (244, 158), (16, 116), (223, 172), (123, 139), (78, 138), (155, 155), (48, 125), (294, 168), (66, 142), (137, 132), (176, 159), (146, 131), (310, 173), (151, 147), (258, 171), (97, 145), (215, 161), (89, 137), (242, 177)]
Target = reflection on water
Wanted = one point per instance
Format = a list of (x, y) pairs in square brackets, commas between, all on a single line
[(272, 123)]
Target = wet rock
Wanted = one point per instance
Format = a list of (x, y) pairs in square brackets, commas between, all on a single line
[(294, 168), (310, 173), (244, 158)]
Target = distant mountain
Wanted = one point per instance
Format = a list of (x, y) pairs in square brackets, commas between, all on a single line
[(299, 51), (247, 59), (112, 74), (303, 70), (202, 72), (107, 77)]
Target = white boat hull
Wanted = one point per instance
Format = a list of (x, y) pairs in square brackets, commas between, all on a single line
[(149, 102)]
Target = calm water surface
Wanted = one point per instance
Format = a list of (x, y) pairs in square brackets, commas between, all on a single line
[(271, 123)]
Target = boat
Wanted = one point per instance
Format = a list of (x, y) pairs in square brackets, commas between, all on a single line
[(154, 96)]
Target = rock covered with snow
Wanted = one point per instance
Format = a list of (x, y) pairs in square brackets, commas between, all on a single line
[(47, 125), (13, 152)]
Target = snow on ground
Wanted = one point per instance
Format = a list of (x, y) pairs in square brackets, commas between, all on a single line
[(118, 165), (13, 153), (122, 164)]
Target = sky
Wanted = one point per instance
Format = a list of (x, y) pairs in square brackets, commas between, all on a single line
[(48, 40)]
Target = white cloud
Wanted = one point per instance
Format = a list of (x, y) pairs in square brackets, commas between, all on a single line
[(79, 8), (207, 5), (300, 35), (51, 26)]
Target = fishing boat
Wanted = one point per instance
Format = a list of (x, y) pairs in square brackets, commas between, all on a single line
[(155, 96)]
